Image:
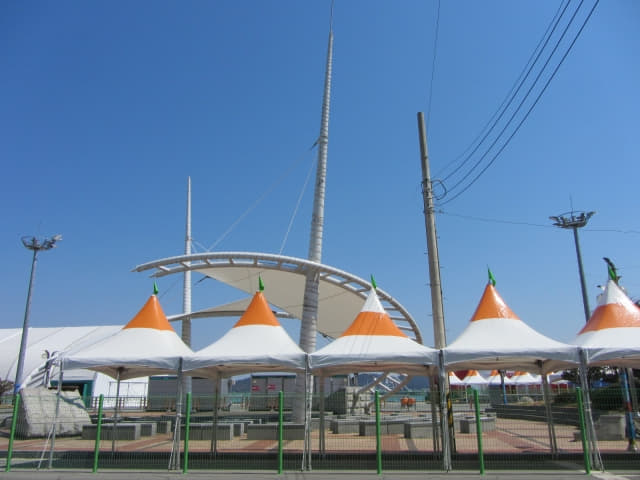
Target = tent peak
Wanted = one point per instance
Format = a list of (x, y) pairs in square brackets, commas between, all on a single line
[(491, 305)]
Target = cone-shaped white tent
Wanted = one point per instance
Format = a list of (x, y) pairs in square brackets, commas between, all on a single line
[(612, 334), (525, 378), (497, 338), (473, 377), (494, 379), (256, 343), (454, 381), (147, 345), (373, 343)]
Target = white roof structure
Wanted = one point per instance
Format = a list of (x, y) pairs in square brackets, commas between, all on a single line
[(256, 343), (612, 334), (147, 345), (340, 294), (373, 343), (497, 338), (46, 341), (473, 377)]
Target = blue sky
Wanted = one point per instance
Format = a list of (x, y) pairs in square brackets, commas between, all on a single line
[(107, 108)]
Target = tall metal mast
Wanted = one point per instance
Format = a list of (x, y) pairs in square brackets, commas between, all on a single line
[(186, 292), (309, 324), (310, 306)]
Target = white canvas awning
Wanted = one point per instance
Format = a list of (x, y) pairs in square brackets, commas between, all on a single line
[(373, 343), (497, 339), (612, 334), (147, 345), (256, 343)]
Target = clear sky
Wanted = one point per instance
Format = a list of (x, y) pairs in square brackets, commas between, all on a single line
[(108, 107)]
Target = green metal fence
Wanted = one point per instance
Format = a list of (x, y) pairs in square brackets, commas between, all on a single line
[(357, 430)]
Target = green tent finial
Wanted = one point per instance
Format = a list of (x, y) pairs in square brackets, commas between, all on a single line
[(155, 288), (260, 284), (492, 279), (611, 269), (373, 282)]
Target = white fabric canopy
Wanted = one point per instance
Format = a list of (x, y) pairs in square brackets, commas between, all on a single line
[(256, 343), (494, 379), (612, 334), (497, 338), (147, 345), (525, 378), (373, 343)]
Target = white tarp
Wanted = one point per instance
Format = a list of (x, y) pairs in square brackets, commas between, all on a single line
[(612, 334), (147, 345), (256, 343), (473, 377), (497, 338), (373, 343)]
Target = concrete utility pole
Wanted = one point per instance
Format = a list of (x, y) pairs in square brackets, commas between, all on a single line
[(574, 221), (439, 336), (436, 291)]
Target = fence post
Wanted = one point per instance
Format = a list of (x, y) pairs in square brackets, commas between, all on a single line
[(280, 430), (96, 449), (583, 433), (12, 433), (479, 431), (378, 437), (187, 423)]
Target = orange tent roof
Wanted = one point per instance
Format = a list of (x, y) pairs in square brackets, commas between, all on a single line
[(373, 320), (492, 306), (150, 316), (615, 310), (258, 313)]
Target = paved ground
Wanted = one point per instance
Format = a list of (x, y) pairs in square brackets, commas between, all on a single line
[(316, 475)]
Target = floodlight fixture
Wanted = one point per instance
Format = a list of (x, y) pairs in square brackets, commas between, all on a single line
[(36, 245)]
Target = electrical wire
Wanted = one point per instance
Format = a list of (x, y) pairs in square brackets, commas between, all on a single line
[(433, 63), (266, 193), (513, 92), (295, 210), (508, 140)]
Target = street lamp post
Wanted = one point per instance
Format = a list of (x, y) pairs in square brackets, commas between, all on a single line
[(36, 245), (574, 221)]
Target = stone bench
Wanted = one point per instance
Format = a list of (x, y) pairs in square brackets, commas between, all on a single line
[(468, 425), (123, 431), (419, 429), (204, 431), (269, 431), (387, 426), (344, 426)]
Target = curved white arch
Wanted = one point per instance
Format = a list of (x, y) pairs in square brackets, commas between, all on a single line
[(341, 293)]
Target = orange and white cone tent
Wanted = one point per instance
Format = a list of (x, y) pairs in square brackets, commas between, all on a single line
[(473, 377), (612, 334), (256, 343), (373, 343), (496, 338), (454, 381), (147, 345), (495, 379)]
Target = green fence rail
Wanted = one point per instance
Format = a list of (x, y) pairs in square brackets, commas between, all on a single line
[(353, 429)]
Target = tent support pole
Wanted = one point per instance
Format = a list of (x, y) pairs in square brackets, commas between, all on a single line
[(321, 406), (114, 430), (216, 404), (55, 419), (434, 413), (596, 461), (444, 420), (174, 460), (550, 425)]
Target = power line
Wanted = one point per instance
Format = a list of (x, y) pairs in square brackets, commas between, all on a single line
[(544, 88), (513, 92), (433, 62)]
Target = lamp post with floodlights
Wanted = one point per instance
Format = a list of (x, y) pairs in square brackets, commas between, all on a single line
[(35, 244), (574, 221)]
